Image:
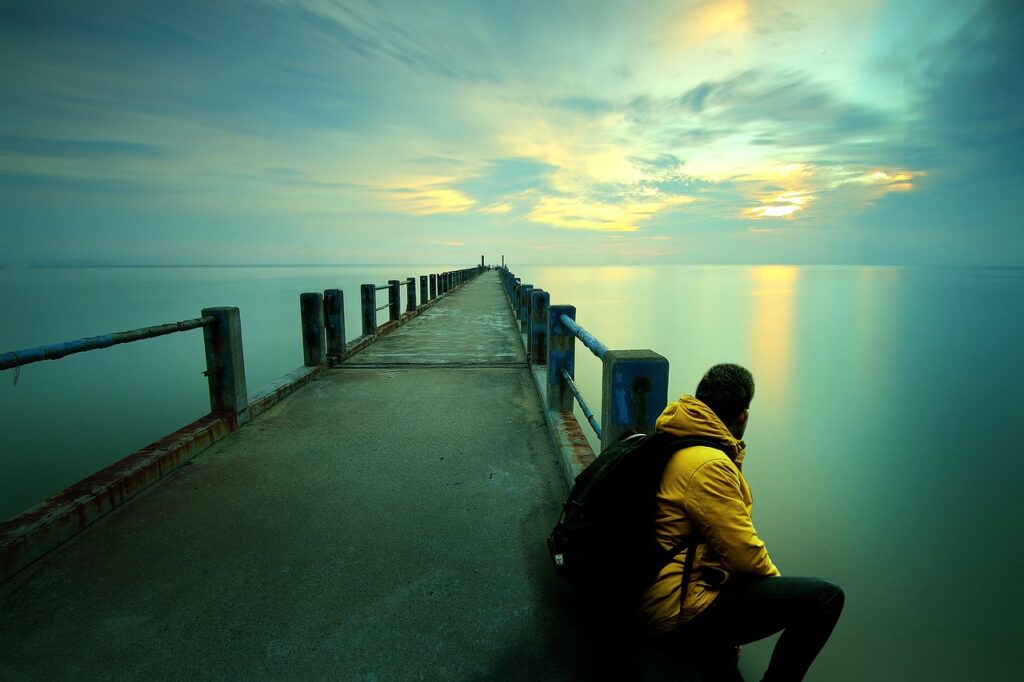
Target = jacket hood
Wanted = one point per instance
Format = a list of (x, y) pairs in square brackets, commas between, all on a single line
[(690, 417)]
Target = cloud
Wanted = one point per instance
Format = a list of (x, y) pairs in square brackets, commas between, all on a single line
[(715, 19), (585, 105), (786, 110), (502, 180), (430, 199), (578, 213), (11, 145), (967, 90)]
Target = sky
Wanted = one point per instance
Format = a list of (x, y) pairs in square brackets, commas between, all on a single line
[(547, 131)]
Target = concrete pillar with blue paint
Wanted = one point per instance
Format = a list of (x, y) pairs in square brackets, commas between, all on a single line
[(538, 341), (634, 391), (561, 356), (524, 308)]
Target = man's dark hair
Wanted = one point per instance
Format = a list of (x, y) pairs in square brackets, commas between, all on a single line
[(727, 390)]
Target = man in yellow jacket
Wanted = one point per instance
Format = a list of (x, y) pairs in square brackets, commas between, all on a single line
[(735, 594)]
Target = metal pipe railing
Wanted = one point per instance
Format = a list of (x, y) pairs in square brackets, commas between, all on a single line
[(59, 350), (588, 339), (574, 389), (634, 383)]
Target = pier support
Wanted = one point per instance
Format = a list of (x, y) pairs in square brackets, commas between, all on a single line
[(538, 346), (225, 363), (314, 350), (394, 299), (410, 295), (634, 391), (334, 324), (368, 303), (524, 308), (561, 355)]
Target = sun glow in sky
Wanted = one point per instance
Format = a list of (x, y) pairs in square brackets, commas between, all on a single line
[(349, 131)]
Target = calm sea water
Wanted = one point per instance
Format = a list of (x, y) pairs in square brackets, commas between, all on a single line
[(881, 450)]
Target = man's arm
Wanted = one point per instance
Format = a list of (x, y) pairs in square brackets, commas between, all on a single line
[(715, 503)]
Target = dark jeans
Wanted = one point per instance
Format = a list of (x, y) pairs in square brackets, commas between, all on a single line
[(805, 609)]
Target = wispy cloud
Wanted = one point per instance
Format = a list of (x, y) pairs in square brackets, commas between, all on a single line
[(571, 122)]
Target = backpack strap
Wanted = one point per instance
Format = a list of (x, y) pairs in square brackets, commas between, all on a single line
[(694, 538), (691, 550)]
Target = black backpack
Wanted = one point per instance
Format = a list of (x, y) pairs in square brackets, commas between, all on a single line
[(604, 541)]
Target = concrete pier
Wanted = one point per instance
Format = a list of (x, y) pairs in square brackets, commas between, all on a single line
[(385, 522)]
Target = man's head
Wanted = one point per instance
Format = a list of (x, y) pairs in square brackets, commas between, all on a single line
[(728, 390)]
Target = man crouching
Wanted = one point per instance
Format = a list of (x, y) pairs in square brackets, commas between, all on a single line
[(732, 593)]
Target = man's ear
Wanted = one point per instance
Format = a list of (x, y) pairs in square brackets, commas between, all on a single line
[(740, 425)]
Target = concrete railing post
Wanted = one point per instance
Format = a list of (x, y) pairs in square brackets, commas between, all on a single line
[(424, 290), (524, 308), (334, 323), (368, 303), (394, 299), (433, 287), (225, 363), (634, 392), (410, 295), (561, 355), (314, 350), (539, 303)]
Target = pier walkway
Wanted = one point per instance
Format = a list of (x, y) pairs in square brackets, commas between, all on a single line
[(385, 522)]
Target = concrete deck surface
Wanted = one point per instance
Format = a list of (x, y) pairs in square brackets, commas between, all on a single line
[(386, 522)]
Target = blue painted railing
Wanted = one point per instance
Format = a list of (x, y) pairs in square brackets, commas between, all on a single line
[(634, 384)]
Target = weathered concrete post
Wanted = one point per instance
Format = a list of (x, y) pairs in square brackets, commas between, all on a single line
[(424, 290), (433, 287), (539, 303), (410, 295), (524, 308), (225, 364), (368, 302), (634, 391), (561, 355), (516, 283), (334, 323), (314, 350), (394, 299)]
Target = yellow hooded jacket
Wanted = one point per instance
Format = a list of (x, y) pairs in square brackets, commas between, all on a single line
[(702, 488)]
